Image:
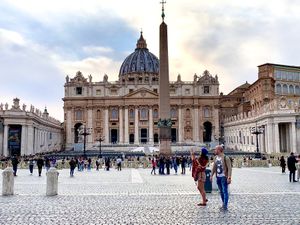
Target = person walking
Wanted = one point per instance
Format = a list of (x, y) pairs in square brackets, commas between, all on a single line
[(97, 164), (198, 172), (162, 165), (15, 161), (168, 164), (119, 163), (47, 163), (223, 170), (291, 163), (40, 164), (31, 165), (72, 164), (175, 165), (298, 168), (154, 164), (282, 164), (183, 164)]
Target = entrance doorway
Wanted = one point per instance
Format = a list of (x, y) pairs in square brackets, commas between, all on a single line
[(207, 131), (173, 135), (131, 138), (77, 137), (114, 136), (14, 140), (144, 135), (284, 137), (155, 136)]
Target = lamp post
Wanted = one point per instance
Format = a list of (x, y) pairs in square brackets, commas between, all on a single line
[(100, 139), (84, 132), (257, 131)]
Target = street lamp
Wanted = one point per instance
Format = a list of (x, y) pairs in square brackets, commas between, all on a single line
[(257, 131), (100, 139), (84, 132)]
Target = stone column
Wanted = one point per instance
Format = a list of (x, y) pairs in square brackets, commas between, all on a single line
[(52, 182), (106, 128), (136, 126), (121, 125), (69, 128), (180, 125), (8, 182), (276, 137), (196, 124), (126, 131), (293, 137), (151, 141), (5, 141), (24, 139), (90, 125), (30, 140)]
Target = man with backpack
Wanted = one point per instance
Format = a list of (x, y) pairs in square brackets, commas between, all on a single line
[(223, 170)]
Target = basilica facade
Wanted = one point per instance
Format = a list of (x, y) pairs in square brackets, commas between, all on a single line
[(126, 112)]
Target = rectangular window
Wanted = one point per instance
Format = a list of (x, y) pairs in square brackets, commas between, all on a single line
[(78, 90), (130, 90), (206, 90), (187, 91), (98, 92), (78, 115), (155, 90)]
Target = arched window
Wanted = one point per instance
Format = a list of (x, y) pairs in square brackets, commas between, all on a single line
[(285, 89), (114, 114), (144, 114), (278, 89), (155, 113), (188, 113), (98, 115), (131, 114), (297, 90), (291, 89)]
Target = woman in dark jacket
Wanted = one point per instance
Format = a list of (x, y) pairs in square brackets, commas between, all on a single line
[(282, 164)]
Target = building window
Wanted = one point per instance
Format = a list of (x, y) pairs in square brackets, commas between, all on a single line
[(206, 112), (78, 90), (144, 114), (113, 92), (285, 89), (187, 91), (173, 113), (297, 90), (206, 89), (291, 89), (78, 115), (50, 135), (131, 114), (114, 114), (130, 90), (278, 89), (98, 115), (98, 92), (155, 113), (155, 90)]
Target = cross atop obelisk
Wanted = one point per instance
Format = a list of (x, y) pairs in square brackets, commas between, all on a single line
[(164, 123), (163, 9)]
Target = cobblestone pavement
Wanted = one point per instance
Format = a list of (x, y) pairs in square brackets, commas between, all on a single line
[(133, 196)]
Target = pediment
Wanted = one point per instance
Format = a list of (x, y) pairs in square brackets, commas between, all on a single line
[(142, 93)]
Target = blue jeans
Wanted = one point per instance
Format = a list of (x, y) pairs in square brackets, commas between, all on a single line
[(223, 188)]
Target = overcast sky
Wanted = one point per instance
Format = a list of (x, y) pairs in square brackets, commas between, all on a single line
[(42, 41)]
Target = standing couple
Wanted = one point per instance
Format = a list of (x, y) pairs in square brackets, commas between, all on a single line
[(222, 168)]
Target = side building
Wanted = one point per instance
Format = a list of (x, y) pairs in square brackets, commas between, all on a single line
[(125, 112), (272, 107), (25, 132)]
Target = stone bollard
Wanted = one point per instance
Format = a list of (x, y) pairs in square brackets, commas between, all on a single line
[(52, 182), (8, 181)]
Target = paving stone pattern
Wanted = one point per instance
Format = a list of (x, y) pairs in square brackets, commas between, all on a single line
[(258, 196)]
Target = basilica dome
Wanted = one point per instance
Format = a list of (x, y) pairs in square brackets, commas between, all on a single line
[(140, 61)]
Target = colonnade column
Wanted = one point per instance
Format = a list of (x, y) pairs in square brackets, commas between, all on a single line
[(24, 139), (106, 128), (196, 124), (30, 140), (180, 127), (90, 125), (121, 125), (293, 138), (151, 141), (69, 128), (5, 143), (126, 131), (136, 126), (276, 137)]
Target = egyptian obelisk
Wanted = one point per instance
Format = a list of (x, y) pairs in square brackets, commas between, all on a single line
[(165, 122)]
